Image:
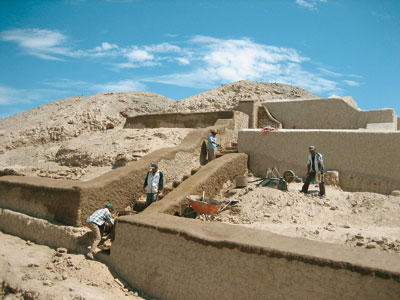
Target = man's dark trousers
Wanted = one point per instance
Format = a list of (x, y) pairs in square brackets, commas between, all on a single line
[(311, 177)]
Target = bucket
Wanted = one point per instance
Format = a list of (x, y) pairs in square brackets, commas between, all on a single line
[(241, 181)]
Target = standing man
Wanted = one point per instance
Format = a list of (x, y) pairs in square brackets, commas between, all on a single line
[(97, 219), (212, 145), (315, 166), (153, 184)]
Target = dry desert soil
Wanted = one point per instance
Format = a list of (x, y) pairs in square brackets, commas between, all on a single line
[(81, 138)]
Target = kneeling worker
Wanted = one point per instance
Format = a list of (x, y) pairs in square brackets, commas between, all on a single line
[(97, 219)]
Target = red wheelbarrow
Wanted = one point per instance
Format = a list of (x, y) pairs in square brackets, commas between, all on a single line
[(207, 206)]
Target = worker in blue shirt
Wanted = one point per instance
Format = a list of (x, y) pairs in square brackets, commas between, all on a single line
[(212, 145), (315, 169)]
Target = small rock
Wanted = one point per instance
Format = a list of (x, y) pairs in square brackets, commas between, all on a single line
[(64, 277), (47, 282), (359, 243), (118, 282), (29, 243), (358, 236), (371, 246), (396, 193), (346, 226), (316, 231), (61, 250), (378, 241), (71, 289)]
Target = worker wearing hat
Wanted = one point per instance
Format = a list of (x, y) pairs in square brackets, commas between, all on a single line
[(153, 184), (212, 145), (315, 167), (95, 221)]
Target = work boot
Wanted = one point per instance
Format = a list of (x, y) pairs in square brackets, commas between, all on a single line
[(90, 255)]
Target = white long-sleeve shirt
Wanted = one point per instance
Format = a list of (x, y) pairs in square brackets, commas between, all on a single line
[(152, 182)]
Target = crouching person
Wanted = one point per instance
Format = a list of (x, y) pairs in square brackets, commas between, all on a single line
[(94, 222)]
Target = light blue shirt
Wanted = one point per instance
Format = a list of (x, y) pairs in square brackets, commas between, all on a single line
[(212, 142)]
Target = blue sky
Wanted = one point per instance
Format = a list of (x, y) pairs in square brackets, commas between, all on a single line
[(55, 49)]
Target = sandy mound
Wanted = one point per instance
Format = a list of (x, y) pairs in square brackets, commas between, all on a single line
[(227, 96), (365, 220), (70, 117), (81, 138)]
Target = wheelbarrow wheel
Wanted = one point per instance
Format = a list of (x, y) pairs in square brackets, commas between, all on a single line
[(289, 176)]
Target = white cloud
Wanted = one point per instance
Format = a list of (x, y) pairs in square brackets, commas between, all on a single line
[(43, 43), (310, 4), (120, 86), (222, 61), (105, 46), (351, 82), (183, 61), (139, 55), (8, 95), (162, 48)]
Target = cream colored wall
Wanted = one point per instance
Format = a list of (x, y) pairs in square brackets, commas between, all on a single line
[(332, 113), (174, 258), (366, 161)]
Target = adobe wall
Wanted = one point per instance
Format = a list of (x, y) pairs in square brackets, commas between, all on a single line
[(177, 120), (194, 259), (213, 176), (45, 198), (75, 239), (332, 113), (250, 108), (365, 160), (70, 202)]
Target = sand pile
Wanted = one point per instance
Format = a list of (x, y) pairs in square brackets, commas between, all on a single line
[(227, 96), (81, 138), (365, 220)]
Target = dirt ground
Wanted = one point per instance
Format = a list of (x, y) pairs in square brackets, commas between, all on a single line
[(362, 219), (31, 271)]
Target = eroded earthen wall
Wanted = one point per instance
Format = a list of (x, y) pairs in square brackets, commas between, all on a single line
[(366, 161), (70, 202), (211, 178), (176, 258), (50, 199), (177, 120), (329, 113)]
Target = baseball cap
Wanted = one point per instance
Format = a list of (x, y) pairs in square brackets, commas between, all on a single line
[(110, 206)]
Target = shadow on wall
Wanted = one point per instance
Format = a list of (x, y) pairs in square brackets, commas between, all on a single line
[(203, 153)]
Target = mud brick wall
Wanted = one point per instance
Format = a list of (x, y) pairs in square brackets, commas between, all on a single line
[(366, 161), (175, 258), (49, 199), (177, 120), (325, 114), (70, 202)]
